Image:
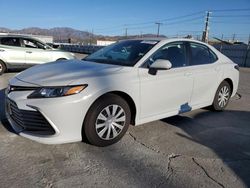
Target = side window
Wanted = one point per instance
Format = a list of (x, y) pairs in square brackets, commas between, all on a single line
[(40, 45), (174, 52), (29, 44), (201, 55), (10, 41)]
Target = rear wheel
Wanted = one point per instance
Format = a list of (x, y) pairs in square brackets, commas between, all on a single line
[(61, 59), (107, 120), (2, 67), (222, 96)]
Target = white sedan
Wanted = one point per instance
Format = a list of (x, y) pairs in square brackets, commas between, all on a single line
[(129, 82)]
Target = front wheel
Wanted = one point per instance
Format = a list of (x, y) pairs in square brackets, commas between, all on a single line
[(222, 96), (107, 120)]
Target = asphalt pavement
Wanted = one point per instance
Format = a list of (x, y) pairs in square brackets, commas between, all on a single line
[(196, 149)]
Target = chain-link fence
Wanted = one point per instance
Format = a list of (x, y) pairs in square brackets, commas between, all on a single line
[(84, 49), (239, 53)]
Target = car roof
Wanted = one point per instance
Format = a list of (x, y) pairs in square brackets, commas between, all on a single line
[(165, 39), (16, 36), (158, 39)]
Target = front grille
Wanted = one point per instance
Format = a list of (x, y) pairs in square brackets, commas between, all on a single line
[(29, 121)]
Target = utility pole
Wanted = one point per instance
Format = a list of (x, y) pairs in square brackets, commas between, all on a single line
[(221, 42), (92, 37), (158, 28), (89, 37), (233, 37), (249, 40), (247, 52), (205, 32), (126, 32)]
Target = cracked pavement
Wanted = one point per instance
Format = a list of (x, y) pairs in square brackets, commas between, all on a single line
[(195, 149)]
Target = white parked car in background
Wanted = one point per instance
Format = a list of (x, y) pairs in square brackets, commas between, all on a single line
[(129, 82), (18, 51)]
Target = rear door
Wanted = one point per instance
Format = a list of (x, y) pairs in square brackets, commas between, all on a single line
[(204, 69), (12, 52)]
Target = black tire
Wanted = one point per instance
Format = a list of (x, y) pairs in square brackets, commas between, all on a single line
[(217, 103), (2, 67), (92, 119)]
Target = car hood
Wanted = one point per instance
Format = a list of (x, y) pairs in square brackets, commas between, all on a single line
[(64, 72)]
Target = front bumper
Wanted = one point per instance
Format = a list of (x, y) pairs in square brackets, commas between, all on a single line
[(27, 121), (64, 116)]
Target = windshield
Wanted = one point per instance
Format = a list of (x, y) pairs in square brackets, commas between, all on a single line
[(125, 53)]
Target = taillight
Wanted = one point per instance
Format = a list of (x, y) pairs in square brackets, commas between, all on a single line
[(237, 67)]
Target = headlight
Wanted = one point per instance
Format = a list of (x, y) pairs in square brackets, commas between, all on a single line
[(49, 92)]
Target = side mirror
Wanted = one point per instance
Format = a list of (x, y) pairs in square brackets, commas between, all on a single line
[(159, 64)]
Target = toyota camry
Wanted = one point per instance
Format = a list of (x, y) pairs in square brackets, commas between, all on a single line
[(131, 82)]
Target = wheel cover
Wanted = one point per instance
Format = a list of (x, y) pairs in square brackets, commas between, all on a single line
[(1, 67), (110, 122), (224, 95)]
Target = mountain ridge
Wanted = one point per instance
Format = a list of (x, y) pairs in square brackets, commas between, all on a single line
[(64, 33)]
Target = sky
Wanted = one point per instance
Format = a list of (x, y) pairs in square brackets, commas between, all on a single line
[(111, 17)]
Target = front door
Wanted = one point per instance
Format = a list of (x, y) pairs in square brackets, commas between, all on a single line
[(35, 52), (168, 90)]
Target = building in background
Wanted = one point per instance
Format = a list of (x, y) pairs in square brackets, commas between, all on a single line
[(104, 42), (45, 39)]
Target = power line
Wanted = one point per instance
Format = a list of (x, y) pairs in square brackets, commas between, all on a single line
[(153, 22), (144, 27), (230, 22), (190, 31), (183, 16), (170, 23), (230, 10), (187, 15), (230, 16), (186, 20), (166, 19)]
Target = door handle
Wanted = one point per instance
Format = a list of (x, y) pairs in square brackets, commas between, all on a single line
[(1, 50), (188, 74), (29, 52)]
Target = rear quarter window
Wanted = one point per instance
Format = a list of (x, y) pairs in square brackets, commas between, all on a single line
[(213, 56), (10, 41)]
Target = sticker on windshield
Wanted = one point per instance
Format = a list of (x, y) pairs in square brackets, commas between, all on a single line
[(149, 42)]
